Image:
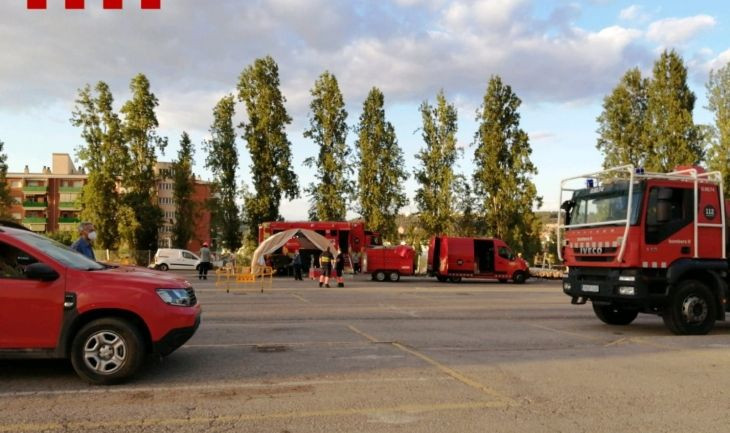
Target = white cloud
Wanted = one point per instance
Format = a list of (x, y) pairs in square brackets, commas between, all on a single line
[(630, 13), (675, 31)]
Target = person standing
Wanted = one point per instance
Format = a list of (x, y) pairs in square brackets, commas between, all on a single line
[(340, 268), (297, 263), (325, 262), (204, 262), (87, 235)]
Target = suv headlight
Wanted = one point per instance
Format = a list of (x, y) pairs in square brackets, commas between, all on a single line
[(179, 297)]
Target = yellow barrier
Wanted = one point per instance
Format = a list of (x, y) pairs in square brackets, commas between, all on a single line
[(232, 277)]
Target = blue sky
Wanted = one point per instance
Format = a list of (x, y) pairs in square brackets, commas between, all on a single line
[(560, 57)]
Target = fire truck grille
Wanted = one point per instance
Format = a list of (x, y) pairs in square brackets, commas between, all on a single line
[(586, 254)]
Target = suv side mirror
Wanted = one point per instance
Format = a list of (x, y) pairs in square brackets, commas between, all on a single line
[(40, 271)]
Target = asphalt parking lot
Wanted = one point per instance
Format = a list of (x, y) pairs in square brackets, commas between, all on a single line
[(414, 356)]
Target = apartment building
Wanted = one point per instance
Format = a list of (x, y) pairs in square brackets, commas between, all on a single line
[(49, 200)]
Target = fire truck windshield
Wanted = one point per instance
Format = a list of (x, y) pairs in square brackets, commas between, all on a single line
[(605, 205)]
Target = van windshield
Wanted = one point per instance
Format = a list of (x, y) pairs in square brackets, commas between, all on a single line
[(61, 253), (606, 204)]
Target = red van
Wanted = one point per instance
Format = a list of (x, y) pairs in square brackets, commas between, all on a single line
[(453, 258), (56, 303)]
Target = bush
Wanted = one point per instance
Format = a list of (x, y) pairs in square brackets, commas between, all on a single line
[(64, 237)]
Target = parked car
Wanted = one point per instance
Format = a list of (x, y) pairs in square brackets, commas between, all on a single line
[(176, 259), (452, 258), (56, 303)]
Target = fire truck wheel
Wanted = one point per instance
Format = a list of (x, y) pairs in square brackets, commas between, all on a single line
[(519, 277), (441, 278), (380, 276), (692, 309), (613, 315), (393, 276)]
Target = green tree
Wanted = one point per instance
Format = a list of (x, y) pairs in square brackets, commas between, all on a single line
[(222, 160), (328, 129), (671, 135), (502, 178), (380, 167), (5, 199), (140, 179), (434, 196), (183, 189), (718, 102), (621, 124), (467, 222), (105, 156), (267, 143)]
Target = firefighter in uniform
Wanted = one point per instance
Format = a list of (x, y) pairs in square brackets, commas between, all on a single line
[(339, 267), (325, 262)]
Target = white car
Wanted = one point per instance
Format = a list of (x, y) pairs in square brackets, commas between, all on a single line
[(175, 259)]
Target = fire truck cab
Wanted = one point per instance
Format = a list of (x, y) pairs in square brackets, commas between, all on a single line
[(639, 242)]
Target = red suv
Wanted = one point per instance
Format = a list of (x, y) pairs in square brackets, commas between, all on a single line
[(56, 303)]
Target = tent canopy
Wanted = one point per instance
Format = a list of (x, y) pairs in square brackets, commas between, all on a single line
[(280, 239)]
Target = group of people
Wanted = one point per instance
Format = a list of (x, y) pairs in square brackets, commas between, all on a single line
[(326, 261)]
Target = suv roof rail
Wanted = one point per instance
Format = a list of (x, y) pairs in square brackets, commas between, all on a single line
[(12, 224)]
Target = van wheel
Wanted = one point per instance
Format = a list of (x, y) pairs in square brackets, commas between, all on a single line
[(380, 276), (163, 267), (393, 276), (692, 309), (107, 351), (613, 315), (519, 277)]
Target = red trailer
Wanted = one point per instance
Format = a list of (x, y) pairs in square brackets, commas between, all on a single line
[(453, 258), (389, 263)]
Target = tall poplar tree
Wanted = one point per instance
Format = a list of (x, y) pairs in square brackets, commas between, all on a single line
[(435, 175), (671, 135), (381, 172), (621, 125), (503, 175), (140, 179), (718, 102), (5, 200), (105, 157), (267, 143), (222, 160), (183, 189), (328, 129)]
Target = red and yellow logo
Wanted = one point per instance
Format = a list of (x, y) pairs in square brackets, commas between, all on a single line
[(108, 4)]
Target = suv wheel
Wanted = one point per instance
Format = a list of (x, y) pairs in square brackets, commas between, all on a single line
[(613, 315), (107, 351), (163, 267), (692, 309)]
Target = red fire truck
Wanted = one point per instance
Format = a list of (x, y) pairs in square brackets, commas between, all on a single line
[(350, 237), (639, 242), (453, 258)]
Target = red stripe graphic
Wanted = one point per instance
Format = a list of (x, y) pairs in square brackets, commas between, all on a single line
[(112, 4), (74, 4), (37, 4), (151, 4), (80, 4)]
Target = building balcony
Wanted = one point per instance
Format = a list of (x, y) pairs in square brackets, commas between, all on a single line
[(69, 205), (34, 205), (70, 189), (36, 224), (35, 190)]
